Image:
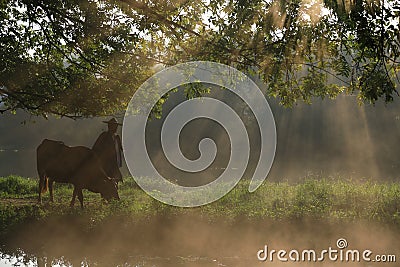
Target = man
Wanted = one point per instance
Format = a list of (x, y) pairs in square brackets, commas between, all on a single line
[(108, 147)]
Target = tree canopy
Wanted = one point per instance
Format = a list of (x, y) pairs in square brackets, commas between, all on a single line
[(81, 58)]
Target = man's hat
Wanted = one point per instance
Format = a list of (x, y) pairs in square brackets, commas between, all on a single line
[(112, 121)]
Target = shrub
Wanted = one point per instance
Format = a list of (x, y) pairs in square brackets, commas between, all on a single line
[(16, 185)]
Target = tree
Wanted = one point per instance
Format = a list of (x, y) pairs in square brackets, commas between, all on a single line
[(86, 57)]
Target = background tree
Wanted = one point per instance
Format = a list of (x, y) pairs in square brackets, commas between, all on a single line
[(86, 58)]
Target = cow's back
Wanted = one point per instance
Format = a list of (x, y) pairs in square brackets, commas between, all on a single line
[(63, 163)]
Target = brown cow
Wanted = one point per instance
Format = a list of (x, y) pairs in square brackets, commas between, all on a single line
[(78, 165)]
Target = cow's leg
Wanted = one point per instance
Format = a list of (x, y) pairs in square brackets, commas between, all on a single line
[(74, 196), (80, 197), (43, 182), (51, 190), (40, 189)]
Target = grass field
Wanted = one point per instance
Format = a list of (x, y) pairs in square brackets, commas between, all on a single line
[(313, 197)]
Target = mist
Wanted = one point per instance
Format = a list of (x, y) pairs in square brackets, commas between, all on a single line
[(172, 241), (21, 134), (327, 138), (338, 138)]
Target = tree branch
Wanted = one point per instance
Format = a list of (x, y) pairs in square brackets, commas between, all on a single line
[(151, 12)]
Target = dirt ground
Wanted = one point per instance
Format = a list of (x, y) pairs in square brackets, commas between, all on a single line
[(18, 201)]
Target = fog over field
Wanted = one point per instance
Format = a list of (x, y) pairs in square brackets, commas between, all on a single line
[(329, 137)]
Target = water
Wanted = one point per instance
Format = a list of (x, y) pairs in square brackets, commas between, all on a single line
[(190, 242), (7, 260), (22, 259)]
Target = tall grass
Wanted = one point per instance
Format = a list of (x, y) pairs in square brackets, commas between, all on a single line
[(318, 198), (17, 186)]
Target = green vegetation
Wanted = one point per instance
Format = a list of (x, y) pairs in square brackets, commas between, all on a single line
[(86, 58), (17, 186), (315, 198)]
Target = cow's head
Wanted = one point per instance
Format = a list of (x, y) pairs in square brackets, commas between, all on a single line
[(109, 190)]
